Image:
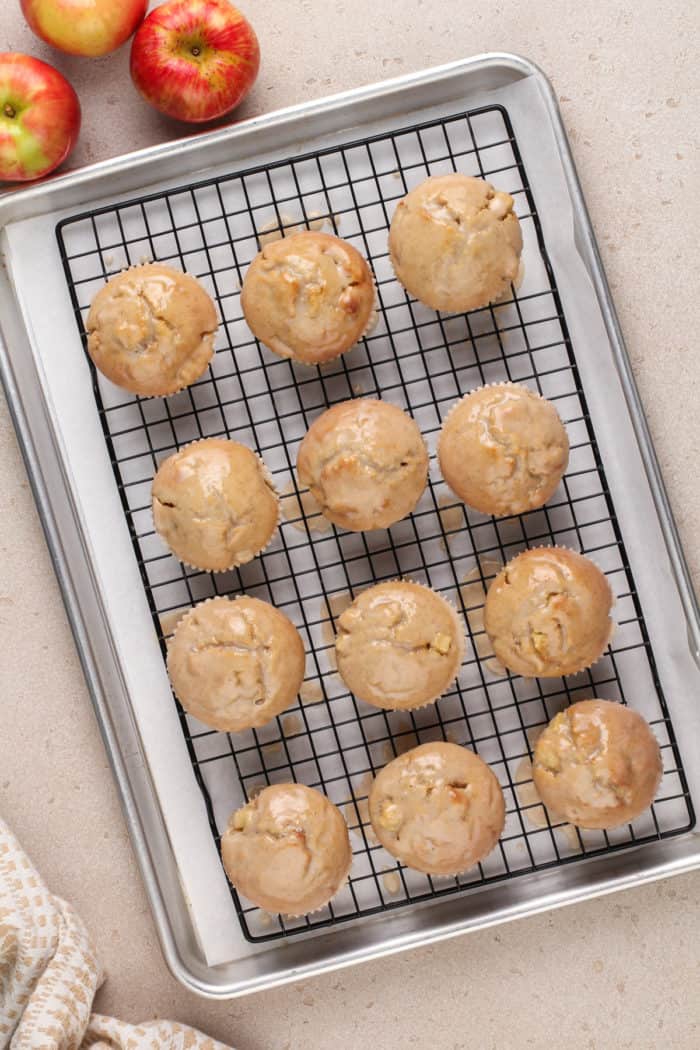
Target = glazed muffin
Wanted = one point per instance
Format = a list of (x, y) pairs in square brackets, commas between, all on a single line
[(597, 765), (309, 296), (151, 330), (437, 808), (399, 645), (547, 613), (214, 504), (235, 664), (503, 449), (288, 850), (455, 242), (365, 463)]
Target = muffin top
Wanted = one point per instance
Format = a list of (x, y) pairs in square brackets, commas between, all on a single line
[(214, 504), (597, 764), (151, 330), (437, 808), (503, 449), (547, 613), (309, 296), (455, 242), (235, 664), (365, 463), (288, 850), (399, 645)]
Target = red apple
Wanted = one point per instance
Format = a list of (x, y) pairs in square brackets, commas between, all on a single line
[(195, 59), (39, 117), (84, 27)]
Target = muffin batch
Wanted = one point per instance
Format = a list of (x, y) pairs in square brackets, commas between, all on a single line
[(234, 664)]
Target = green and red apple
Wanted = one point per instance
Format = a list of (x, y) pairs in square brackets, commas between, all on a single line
[(39, 117)]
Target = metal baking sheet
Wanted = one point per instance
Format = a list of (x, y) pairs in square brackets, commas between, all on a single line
[(495, 115), (421, 362)]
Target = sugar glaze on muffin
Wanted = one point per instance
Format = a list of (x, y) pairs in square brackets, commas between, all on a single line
[(309, 296), (597, 764), (365, 463), (399, 645), (455, 242), (547, 613), (151, 330), (214, 504), (236, 663), (437, 808), (503, 449), (288, 850)]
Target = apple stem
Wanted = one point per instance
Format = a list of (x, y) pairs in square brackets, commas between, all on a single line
[(196, 52), (9, 111)]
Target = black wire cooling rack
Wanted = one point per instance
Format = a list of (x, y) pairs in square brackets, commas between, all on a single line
[(423, 362)]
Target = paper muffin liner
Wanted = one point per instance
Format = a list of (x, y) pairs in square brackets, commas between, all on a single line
[(571, 550), (268, 479), (491, 386), (184, 386), (461, 641)]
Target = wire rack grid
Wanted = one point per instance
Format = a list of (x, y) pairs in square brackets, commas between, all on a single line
[(423, 362)]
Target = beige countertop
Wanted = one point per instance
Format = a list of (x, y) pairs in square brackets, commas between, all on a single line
[(621, 971)]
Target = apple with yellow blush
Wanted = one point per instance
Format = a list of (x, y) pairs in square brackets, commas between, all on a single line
[(84, 27)]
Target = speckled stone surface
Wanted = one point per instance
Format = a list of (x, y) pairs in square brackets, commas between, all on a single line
[(617, 972)]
